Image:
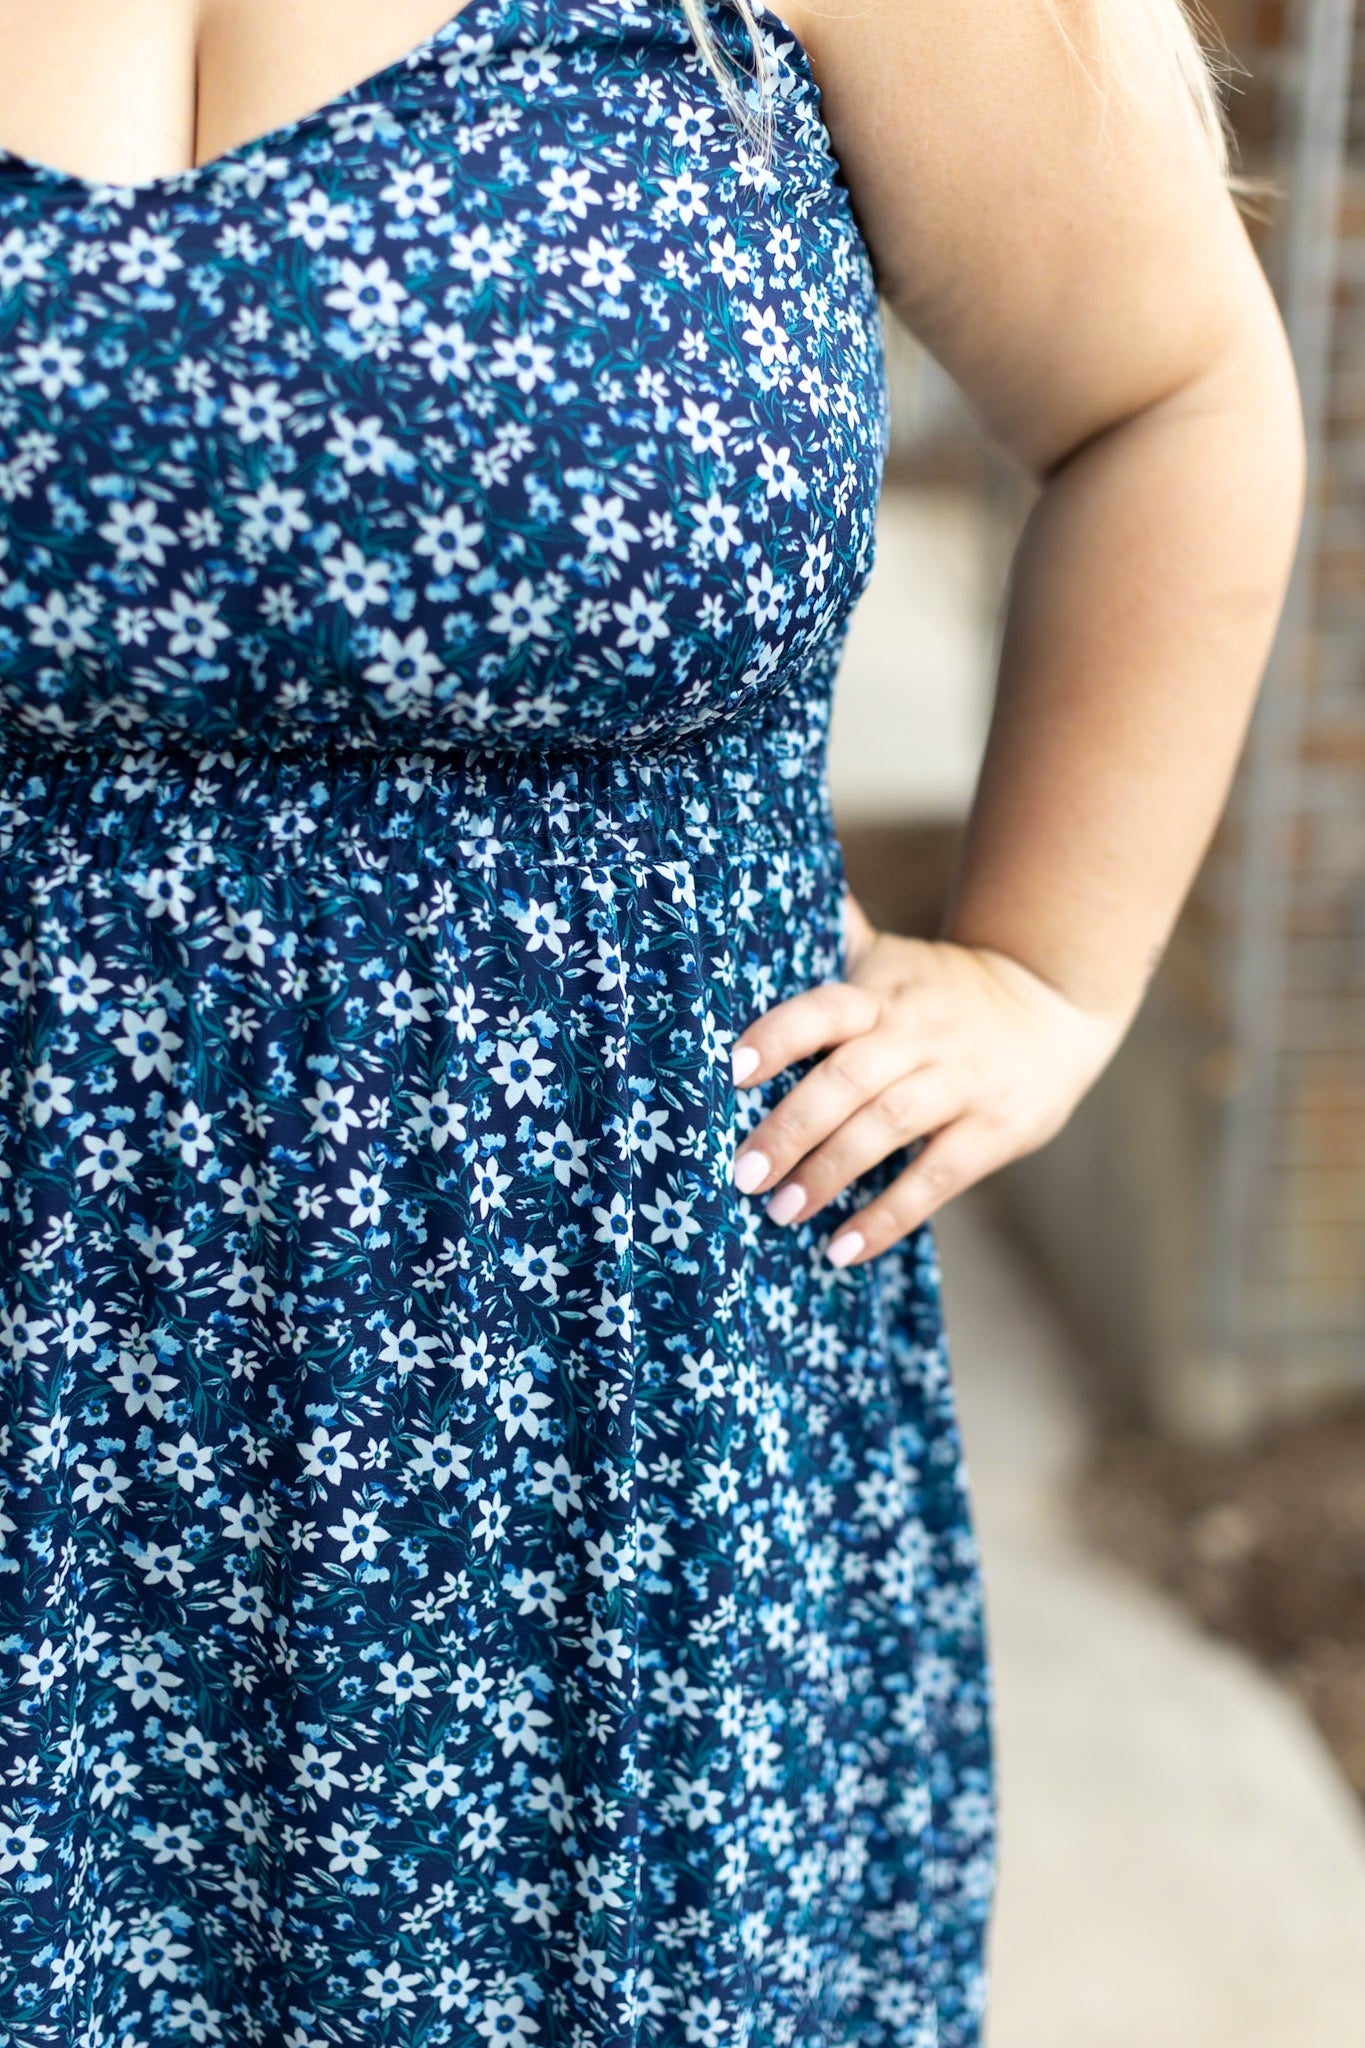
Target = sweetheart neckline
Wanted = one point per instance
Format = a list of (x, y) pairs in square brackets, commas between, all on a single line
[(170, 184)]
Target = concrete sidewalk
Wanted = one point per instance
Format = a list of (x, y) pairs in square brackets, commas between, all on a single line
[(1181, 1864)]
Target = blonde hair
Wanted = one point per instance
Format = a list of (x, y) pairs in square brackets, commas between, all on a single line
[(1188, 40), (751, 110)]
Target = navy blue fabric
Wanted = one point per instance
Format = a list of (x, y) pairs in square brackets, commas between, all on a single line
[(467, 1577)]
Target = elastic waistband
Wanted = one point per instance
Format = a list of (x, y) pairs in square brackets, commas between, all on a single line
[(757, 786)]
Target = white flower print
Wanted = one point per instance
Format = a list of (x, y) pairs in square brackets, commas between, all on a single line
[(438, 1119), (483, 1828), (137, 533), (450, 540), (46, 1094), (392, 1985), (190, 1133), (641, 618), (518, 1723), (166, 893), (146, 1677), (368, 295), (517, 1405), (192, 1752), (403, 1679), (348, 1848), (108, 1161), (562, 1153), (403, 1003), (62, 624), (414, 190), (41, 1668), (145, 258), (355, 581), (331, 1112), (407, 668), (569, 190), (439, 1459), (246, 1523), (605, 266), (366, 1197), (148, 1042), (607, 530), (483, 254), (141, 1383), (540, 925), (405, 1348), (362, 448), (523, 613), (524, 359), (446, 350), (326, 1457), (272, 516), (318, 219), (258, 414), (246, 1285), (433, 1778), (519, 1071), (766, 334), (359, 1534), (192, 624), (447, 1533), (166, 1252), (780, 475), (536, 1266), (53, 365), (317, 1771), (717, 524), (189, 1464)]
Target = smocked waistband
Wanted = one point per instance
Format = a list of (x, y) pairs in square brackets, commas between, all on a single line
[(759, 786)]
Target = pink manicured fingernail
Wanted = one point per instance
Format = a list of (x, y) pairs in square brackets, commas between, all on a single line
[(743, 1060), (751, 1170), (845, 1247), (787, 1204)]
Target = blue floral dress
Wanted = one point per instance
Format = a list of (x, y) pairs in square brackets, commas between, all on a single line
[(466, 1576)]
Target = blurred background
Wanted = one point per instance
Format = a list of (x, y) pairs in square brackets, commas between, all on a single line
[(1158, 1322)]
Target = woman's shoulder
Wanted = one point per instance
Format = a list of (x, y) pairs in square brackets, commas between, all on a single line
[(1041, 196)]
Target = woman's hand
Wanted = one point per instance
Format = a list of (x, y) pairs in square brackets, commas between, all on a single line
[(961, 1045)]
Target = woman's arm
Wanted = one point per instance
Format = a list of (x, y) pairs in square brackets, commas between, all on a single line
[(1077, 265), (1099, 303)]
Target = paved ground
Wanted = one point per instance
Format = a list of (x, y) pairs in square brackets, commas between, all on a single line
[(1182, 1865)]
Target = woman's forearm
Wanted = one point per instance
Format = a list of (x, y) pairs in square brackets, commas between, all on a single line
[(1143, 599)]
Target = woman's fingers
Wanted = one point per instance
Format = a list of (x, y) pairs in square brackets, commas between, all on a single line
[(854, 1073), (913, 1104), (959, 1049), (824, 1015), (953, 1159)]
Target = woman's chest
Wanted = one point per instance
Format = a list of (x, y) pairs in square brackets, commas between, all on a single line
[(135, 89), (512, 395)]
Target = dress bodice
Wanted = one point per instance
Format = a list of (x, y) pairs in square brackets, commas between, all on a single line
[(507, 398)]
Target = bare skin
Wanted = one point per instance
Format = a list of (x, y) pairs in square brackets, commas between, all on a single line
[(1101, 307), (1098, 301), (133, 90)]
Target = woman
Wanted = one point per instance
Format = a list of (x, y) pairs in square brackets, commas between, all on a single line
[(486, 1545)]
